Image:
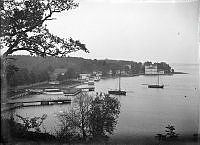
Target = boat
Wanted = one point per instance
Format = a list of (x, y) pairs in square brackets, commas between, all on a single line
[(119, 91), (90, 82), (97, 78), (53, 91), (156, 85)]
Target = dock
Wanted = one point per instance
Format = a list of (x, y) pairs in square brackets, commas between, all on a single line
[(23, 103), (20, 100), (86, 88), (72, 91)]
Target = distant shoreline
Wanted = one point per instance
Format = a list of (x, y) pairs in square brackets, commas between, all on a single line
[(180, 73), (133, 75)]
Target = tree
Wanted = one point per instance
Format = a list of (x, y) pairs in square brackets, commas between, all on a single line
[(90, 117), (50, 69), (23, 27), (33, 123), (76, 122), (127, 69), (60, 77), (19, 77), (10, 71), (103, 115), (71, 74), (170, 132)]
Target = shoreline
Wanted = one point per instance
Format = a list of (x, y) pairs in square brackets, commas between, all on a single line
[(73, 83), (180, 73), (134, 75)]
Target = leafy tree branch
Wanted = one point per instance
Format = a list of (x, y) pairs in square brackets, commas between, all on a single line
[(23, 28)]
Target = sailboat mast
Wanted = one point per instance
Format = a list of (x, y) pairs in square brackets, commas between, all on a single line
[(119, 81), (158, 77)]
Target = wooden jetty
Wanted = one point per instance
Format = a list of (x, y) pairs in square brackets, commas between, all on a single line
[(38, 102), (87, 88), (72, 91)]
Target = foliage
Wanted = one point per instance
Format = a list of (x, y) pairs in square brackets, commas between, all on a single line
[(40, 68), (60, 77), (11, 126), (11, 130), (170, 131), (90, 118), (164, 66), (23, 25), (70, 74), (10, 71), (32, 123), (137, 68), (21, 76), (103, 115), (75, 122), (82, 65)]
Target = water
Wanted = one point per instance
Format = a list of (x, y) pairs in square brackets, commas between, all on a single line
[(144, 111)]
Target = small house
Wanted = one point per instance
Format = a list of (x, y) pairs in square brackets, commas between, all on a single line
[(84, 76)]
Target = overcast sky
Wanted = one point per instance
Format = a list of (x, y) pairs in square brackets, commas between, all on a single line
[(160, 30)]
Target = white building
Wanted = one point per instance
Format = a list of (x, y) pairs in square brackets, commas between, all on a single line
[(129, 66), (161, 72), (117, 72), (84, 76), (110, 72), (151, 70)]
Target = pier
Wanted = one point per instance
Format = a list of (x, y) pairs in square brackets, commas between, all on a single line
[(85, 89), (24, 99), (72, 91), (23, 103)]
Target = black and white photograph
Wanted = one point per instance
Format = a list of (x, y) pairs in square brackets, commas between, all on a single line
[(100, 72)]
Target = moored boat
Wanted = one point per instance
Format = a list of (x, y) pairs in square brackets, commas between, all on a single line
[(119, 91), (97, 78), (156, 85), (90, 82)]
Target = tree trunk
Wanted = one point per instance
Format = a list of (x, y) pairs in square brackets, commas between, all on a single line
[(5, 128), (3, 80), (83, 131)]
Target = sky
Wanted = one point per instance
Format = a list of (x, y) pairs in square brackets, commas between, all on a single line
[(136, 30)]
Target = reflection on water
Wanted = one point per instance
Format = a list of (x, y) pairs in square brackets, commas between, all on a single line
[(144, 111)]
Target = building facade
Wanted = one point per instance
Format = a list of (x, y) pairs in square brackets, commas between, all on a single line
[(151, 70), (84, 76)]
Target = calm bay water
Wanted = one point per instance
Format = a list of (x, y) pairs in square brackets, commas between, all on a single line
[(144, 111)]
